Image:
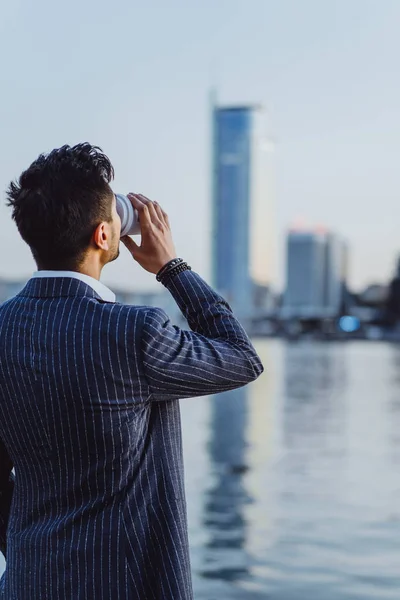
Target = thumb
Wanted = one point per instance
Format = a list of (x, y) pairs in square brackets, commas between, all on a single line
[(130, 244)]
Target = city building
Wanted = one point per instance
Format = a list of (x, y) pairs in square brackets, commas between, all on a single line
[(335, 275), (240, 212), (316, 275), (264, 300), (392, 312)]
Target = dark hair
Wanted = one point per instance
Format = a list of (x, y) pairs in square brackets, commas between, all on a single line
[(59, 201)]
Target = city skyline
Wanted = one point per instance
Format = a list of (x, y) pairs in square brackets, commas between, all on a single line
[(323, 71)]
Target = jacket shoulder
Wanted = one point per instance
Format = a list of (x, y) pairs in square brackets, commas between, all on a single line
[(132, 312)]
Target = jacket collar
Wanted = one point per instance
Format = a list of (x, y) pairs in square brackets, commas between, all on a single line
[(102, 290), (54, 287)]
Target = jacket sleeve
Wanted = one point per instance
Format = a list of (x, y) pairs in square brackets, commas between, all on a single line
[(215, 356), (6, 492)]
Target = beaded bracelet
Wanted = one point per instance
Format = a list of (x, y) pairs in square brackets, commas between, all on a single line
[(170, 265), (179, 268)]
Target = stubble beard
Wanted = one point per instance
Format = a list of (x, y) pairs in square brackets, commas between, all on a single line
[(115, 253)]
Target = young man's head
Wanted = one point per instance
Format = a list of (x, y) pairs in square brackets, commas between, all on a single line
[(65, 209)]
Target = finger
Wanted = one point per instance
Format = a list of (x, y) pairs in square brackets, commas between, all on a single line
[(143, 210), (153, 213), (152, 209), (162, 214), (159, 213), (166, 217), (136, 201), (144, 198)]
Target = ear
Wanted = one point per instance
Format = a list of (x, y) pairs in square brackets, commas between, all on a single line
[(101, 236)]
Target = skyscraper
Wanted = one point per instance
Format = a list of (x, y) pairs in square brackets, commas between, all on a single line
[(315, 274), (305, 273), (240, 250)]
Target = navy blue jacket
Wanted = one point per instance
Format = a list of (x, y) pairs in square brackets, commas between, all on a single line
[(90, 422)]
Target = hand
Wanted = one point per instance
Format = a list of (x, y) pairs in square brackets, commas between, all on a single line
[(157, 247)]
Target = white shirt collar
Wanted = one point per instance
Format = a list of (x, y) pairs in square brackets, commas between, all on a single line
[(102, 290)]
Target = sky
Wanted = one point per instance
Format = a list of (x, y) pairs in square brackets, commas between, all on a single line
[(134, 78)]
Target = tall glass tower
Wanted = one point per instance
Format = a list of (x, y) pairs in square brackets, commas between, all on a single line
[(239, 235)]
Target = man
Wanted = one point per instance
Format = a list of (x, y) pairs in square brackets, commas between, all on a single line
[(89, 395)]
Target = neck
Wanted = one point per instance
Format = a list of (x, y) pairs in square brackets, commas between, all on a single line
[(92, 268), (92, 271)]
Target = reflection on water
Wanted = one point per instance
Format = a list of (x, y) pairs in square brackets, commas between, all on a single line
[(224, 500), (293, 483), (301, 486)]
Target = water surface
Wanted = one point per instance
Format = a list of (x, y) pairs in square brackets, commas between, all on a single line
[(294, 482)]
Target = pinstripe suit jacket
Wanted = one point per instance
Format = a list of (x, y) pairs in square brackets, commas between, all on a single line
[(90, 421)]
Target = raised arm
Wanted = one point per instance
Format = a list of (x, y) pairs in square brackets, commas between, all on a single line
[(215, 356), (6, 492)]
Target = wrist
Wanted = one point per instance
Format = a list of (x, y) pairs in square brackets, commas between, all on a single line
[(167, 266), (164, 264), (171, 269)]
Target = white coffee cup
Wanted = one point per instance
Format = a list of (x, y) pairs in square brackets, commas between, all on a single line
[(129, 216)]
